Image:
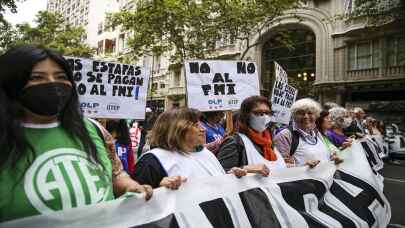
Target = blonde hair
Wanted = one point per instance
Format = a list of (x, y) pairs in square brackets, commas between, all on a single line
[(171, 128)]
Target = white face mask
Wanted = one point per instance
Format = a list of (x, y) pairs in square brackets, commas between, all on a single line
[(259, 123), (347, 121)]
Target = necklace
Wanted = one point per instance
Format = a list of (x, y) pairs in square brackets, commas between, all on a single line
[(308, 138)]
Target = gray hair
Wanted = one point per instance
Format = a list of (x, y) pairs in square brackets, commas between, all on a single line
[(357, 110), (336, 116), (329, 105), (306, 104)]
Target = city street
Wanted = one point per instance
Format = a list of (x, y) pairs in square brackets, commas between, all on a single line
[(394, 179)]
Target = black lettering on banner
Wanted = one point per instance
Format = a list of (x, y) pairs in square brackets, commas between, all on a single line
[(137, 71), (124, 69), (217, 213), (110, 67), (217, 78), (206, 89), (131, 71), (370, 156), (359, 204), (294, 192), (75, 64), (94, 78), (219, 88), (77, 76), (117, 69), (195, 68), (169, 221), (251, 68), (95, 66), (258, 208), (81, 89), (231, 89), (241, 68), (205, 68), (78, 64)]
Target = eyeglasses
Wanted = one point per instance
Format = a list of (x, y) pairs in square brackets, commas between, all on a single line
[(262, 112)]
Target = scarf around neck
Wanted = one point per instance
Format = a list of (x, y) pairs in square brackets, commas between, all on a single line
[(263, 140)]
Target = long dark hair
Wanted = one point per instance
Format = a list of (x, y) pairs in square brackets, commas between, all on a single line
[(121, 129), (15, 70), (320, 121)]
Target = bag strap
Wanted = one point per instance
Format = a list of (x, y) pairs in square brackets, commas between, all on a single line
[(295, 138)]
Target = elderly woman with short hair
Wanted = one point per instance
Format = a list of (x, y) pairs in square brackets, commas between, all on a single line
[(302, 144), (340, 119)]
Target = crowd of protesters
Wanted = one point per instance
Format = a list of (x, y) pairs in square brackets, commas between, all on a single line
[(40, 117)]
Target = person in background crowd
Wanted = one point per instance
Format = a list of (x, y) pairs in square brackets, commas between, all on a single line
[(323, 122), (177, 153), (323, 125), (44, 133), (145, 126), (371, 126), (251, 147), (356, 127), (214, 131), (329, 105), (340, 119), (381, 126), (123, 145), (302, 144)]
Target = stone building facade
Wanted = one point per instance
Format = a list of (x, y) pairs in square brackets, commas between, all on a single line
[(347, 62)]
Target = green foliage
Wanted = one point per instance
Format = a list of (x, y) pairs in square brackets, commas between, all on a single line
[(51, 32), (190, 29), (378, 12)]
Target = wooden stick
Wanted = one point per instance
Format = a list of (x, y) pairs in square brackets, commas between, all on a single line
[(229, 122)]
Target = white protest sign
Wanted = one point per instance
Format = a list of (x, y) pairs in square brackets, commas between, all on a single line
[(110, 90), (220, 85), (348, 195), (280, 73), (282, 98)]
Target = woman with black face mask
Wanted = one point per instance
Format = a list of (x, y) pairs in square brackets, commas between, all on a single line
[(251, 147), (51, 157)]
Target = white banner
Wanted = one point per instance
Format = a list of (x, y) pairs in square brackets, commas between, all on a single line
[(283, 96), (281, 75), (220, 85), (348, 195), (110, 90)]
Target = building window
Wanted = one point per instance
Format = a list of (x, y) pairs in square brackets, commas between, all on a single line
[(176, 81), (100, 47), (121, 42), (162, 85), (109, 46), (100, 28), (396, 51), (364, 55), (154, 86)]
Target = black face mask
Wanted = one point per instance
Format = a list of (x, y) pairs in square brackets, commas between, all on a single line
[(46, 99)]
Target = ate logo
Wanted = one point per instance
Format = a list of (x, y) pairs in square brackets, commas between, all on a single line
[(64, 178)]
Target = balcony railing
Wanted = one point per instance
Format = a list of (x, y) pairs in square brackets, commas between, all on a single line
[(362, 74), (395, 71), (376, 73), (177, 90)]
